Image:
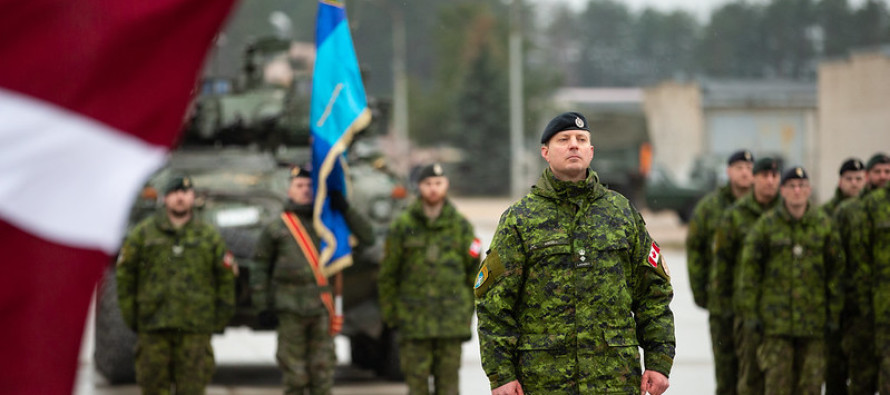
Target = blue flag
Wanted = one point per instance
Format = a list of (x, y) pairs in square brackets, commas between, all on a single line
[(339, 110)]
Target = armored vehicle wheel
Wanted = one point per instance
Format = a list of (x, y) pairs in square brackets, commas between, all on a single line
[(114, 342)]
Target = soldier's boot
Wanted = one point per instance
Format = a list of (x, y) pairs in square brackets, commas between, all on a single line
[(417, 360), (446, 364), (726, 364)]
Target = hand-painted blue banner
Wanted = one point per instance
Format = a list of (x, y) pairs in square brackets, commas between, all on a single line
[(339, 110)]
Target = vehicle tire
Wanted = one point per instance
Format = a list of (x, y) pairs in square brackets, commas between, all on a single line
[(389, 365), (114, 341)]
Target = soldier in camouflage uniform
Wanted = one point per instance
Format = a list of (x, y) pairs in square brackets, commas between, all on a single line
[(287, 293), (730, 233), (176, 286), (873, 272), (850, 184), (788, 289), (426, 285), (857, 325), (699, 256), (574, 285)]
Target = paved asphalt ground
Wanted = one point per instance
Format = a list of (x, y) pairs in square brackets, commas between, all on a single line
[(246, 362)]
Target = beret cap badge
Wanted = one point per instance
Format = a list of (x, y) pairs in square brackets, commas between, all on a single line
[(579, 122)]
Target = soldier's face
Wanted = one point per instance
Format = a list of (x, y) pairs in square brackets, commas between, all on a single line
[(879, 175), (766, 185), (300, 190), (740, 174), (796, 192), (851, 182), (179, 202), (569, 153), (433, 189)]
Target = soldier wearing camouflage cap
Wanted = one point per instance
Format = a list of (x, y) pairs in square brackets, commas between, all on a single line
[(176, 286), (699, 252), (789, 288), (573, 285), (851, 181), (730, 232), (426, 285), (292, 295), (857, 330)]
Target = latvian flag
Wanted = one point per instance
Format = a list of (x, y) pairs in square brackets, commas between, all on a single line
[(92, 96)]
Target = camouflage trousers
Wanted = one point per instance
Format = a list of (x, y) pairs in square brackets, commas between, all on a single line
[(305, 354), (439, 357), (792, 365), (858, 343), (835, 365), (726, 364), (746, 344), (165, 359), (882, 340)]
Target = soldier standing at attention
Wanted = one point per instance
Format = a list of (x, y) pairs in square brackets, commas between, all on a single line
[(573, 285), (850, 184), (699, 251), (857, 331), (291, 292), (789, 289), (873, 267), (731, 231), (176, 286), (426, 285)]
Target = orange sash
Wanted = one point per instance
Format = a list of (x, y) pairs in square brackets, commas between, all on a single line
[(305, 242)]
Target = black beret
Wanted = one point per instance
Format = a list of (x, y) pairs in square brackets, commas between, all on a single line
[(298, 172), (564, 121), (431, 170), (766, 164), (852, 164), (794, 173), (178, 183), (878, 159), (742, 155)]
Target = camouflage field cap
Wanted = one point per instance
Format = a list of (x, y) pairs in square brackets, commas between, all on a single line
[(564, 121), (852, 164), (878, 159), (179, 183), (795, 173), (297, 172), (431, 170), (766, 164), (741, 155)]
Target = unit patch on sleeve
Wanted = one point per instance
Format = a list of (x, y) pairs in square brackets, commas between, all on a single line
[(491, 269)]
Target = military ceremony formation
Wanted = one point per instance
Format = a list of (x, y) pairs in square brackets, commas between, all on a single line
[(794, 291), (573, 295)]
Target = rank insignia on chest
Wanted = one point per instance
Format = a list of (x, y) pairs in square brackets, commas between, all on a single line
[(177, 250), (797, 250), (476, 248)]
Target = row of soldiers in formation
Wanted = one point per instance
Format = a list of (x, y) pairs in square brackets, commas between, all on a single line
[(797, 295)]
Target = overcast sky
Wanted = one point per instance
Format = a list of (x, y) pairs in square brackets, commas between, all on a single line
[(700, 8)]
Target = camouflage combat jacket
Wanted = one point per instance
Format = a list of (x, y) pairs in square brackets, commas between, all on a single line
[(572, 286), (283, 279), (426, 278), (830, 207), (873, 267), (728, 237), (789, 279), (170, 278), (700, 240)]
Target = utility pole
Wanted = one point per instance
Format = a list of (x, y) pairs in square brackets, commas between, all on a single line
[(517, 165), (400, 88)]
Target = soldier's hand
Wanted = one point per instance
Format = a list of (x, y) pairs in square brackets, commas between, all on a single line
[(654, 383), (511, 388), (338, 201)]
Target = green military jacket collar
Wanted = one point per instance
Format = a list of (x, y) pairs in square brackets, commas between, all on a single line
[(548, 186)]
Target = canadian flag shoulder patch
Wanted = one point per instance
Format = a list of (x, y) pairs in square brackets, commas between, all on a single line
[(476, 248), (654, 255)]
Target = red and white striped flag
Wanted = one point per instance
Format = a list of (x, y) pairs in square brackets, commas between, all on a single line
[(92, 96)]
